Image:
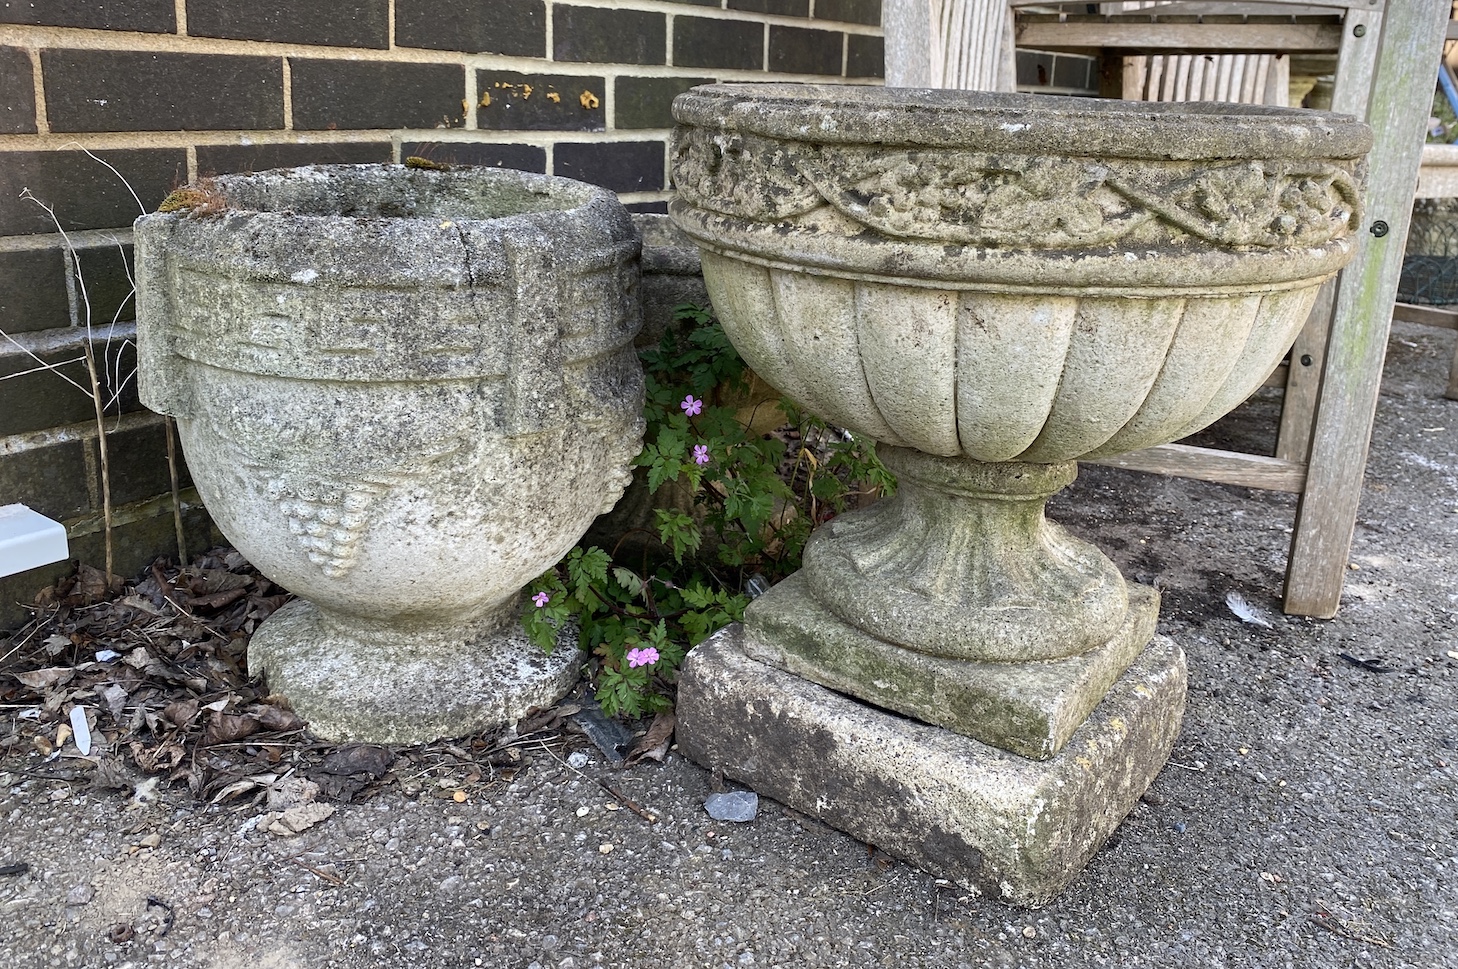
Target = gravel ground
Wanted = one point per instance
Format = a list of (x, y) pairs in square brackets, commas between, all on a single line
[(1306, 819)]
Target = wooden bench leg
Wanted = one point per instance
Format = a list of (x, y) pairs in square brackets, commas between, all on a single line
[(1412, 39)]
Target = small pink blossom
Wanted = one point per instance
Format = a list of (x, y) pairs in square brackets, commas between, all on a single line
[(701, 454), (691, 405), (541, 599), (646, 656)]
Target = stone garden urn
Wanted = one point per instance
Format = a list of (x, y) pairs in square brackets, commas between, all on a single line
[(992, 287), (402, 394)]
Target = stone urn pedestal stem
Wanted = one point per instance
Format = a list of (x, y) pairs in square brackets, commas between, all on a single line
[(991, 287), (958, 603)]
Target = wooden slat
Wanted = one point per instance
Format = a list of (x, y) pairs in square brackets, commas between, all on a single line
[(1210, 464), (1181, 87), (1412, 40), (1136, 72), (1426, 315), (1197, 77), (1278, 82), (1279, 36), (1303, 379), (1356, 62), (1154, 74), (1239, 69)]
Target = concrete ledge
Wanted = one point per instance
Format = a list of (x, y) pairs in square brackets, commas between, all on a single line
[(1001, 825)]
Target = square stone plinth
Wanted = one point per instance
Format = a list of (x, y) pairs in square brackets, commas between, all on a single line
[(1029, 708), (993, 822)]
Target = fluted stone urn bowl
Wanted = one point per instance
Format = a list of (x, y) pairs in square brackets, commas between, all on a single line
[(402, 395), (993, 287)]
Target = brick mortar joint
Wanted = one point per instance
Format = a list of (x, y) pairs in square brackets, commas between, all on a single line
[(38, 88), (157, 506), (21, 345), (79, 238), (61, 434)]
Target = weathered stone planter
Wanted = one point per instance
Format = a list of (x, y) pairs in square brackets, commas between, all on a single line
[(402, 394), (992, 287)]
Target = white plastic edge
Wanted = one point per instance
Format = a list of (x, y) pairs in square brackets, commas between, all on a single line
[(29, 540)]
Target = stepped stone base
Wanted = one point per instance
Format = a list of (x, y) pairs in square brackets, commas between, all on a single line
[(1030, 708), (993, 822)]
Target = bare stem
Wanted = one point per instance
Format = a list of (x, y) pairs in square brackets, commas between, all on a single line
[(176, 499), (96, 401)]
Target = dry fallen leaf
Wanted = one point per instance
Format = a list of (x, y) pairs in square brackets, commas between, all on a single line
[(359, 759), (296, 819), (653, 745), (46, 678), (271, 717), (181, 712), (225, 728)]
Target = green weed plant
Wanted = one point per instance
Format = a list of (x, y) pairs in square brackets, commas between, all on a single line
[(755, 504)]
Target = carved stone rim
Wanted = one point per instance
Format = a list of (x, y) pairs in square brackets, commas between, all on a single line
[(1023, 123), (467, 196)]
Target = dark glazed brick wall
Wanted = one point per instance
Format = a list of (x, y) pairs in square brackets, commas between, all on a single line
[(106, 276), (33, 292), (865, 56), (42, 399), (509, 101), (850, 11), (517, 27), (623, 166), (607, 36), (731, 44), (138, 459), (103, 90), (338, 23), (797, 50), (218, 159), (374, 94), (646, 102), (52, 479), (788, 8), (17, 93), (83, 192), (153, 16), (523, 158)]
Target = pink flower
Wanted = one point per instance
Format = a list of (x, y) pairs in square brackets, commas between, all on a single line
[(541, 599), (701, 454), (646, 656), (691, 406)]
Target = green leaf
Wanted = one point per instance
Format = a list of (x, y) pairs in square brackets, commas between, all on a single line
[(629, 580)]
